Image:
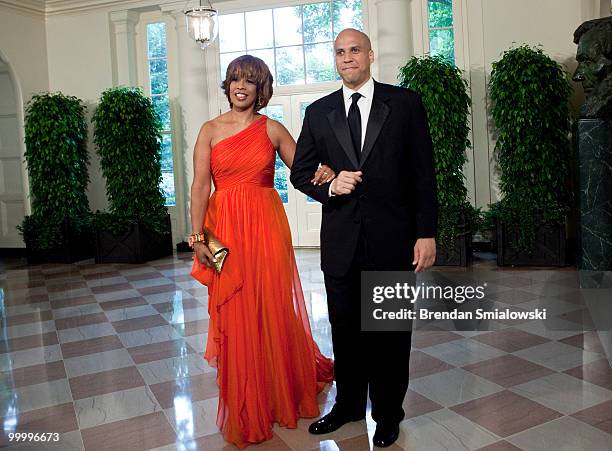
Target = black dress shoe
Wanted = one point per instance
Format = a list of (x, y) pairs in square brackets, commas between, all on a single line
[(332, 421), (385, 435)]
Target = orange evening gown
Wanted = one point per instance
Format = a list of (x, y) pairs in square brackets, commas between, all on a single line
[(269, 368)]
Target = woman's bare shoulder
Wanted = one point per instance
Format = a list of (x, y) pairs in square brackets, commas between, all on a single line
[(211, 124), (210, 128), (274, 127)]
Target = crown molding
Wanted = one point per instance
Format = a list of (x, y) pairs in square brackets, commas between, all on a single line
[(32, 7), (56, 7)]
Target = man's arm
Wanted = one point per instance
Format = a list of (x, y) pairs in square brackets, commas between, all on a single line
[(424, 176), (423, 170), (306, 162)]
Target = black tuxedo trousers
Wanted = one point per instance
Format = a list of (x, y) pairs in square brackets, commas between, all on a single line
[(377, 361)]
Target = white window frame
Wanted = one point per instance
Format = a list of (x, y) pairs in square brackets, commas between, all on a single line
[(217, 101), (420, 31), (173, 92)]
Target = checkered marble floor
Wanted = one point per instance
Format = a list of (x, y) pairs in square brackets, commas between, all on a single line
[(110, 357)]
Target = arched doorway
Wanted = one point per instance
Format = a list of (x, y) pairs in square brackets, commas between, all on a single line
[(12, 190)]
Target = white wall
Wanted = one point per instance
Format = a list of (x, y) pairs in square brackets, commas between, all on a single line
[(80, 64), (23, 51), (550, 23), (23, 45)]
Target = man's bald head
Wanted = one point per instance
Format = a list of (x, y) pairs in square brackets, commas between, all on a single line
[(367, 44)]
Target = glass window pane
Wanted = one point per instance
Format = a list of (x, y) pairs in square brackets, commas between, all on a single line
[(167, 187), (281, 176), (156, 40), (158, 74), (347, 14), (268, 57), (440, 13), (226, 59), (162, 107), (317, 23), (288, 26), (166, 153), (231, 32), (167, 181), (274, 112), (320, 63), (442, 42), (281, 173), (259, 30), (303, 106), (290, 65)]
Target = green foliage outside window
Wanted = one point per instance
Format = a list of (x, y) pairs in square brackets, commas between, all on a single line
[(57, 159), (158, 76), (317, 22), (156, 40), (529, 94), (441, 34), (440, 13), (127, 135), (347, 14), (445, 97)]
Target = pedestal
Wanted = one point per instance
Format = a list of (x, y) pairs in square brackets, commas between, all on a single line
[(595, 199)]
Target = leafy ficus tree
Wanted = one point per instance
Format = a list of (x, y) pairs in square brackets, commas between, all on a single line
[(57, 158), (444, 95), (529, 93), (127, 135)]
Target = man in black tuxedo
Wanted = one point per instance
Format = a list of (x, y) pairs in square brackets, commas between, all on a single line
[(379, 214)]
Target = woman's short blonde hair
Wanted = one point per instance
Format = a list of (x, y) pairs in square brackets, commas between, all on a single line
[(251, 67)]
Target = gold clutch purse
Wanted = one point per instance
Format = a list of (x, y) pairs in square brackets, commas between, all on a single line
[(217, 248)]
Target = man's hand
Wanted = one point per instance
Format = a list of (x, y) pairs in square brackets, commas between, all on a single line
[(424, 253), (346, 182)]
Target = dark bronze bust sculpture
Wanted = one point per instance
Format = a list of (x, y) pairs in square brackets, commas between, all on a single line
[(594, 71)]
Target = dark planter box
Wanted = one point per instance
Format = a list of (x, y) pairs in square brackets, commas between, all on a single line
[(460, 254), (549, 248), (138, 245), (77, 247)]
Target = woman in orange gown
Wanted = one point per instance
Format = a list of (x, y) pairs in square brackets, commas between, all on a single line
[(269, 368)]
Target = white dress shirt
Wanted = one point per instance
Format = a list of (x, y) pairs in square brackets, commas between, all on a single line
[(365, 105)]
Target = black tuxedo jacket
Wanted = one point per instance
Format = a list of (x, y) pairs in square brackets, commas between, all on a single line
[(395, 203)]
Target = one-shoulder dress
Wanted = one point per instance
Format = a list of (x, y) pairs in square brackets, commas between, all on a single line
[(269, 368)]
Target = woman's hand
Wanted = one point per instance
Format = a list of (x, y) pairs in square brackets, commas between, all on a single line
[(203, 254), (323, 175)]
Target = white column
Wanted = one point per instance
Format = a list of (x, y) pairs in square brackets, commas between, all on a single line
[(125, 41), (191, 105), (394, 37)]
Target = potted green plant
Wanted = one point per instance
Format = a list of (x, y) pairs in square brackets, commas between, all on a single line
[(58, 230), (529, 93), (444, 94), (127, 135)]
